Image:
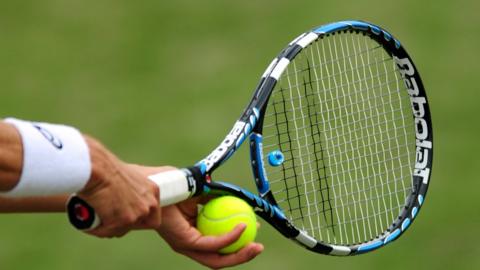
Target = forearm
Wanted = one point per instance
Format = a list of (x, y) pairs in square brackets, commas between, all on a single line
[(53, 161), (10, 156), (11, 162), (33, 204)]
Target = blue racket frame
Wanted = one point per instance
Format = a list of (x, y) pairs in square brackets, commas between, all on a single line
[(250, 125)]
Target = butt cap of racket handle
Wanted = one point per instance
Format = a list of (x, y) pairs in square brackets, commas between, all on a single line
[(81, 215)]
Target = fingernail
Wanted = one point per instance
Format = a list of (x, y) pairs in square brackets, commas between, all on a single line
[(242, 225), (256, 250)]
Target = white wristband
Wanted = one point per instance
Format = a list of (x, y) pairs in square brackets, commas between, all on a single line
[(56, 160)]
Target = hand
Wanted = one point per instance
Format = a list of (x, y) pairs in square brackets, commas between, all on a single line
[(121, 194), (178, 230)]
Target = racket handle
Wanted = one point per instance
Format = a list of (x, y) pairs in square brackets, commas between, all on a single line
[(175, 186)]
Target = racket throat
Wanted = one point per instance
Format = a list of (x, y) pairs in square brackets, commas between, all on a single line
[(196, 180)]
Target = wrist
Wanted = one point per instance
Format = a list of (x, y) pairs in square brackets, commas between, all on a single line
[(55, 159), (104, 165), (11, 153)]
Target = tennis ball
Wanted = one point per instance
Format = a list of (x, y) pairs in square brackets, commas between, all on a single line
[(221, 215)]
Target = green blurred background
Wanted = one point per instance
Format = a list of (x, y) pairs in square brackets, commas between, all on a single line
[(162, 82)]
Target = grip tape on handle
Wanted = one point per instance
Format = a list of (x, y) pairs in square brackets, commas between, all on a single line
[(174, 185)]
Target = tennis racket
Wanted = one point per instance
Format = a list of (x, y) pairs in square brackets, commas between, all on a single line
[(340, 139)]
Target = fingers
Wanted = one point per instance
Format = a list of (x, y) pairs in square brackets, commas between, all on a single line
[(214, 243), (119, 229), (216, 261), (147, 171), (119, 218), (154, 220), (105, 232), (205, 199), (179, 232), (124, 198)]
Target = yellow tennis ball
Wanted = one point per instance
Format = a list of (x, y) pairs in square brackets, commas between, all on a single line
[(221, 215)]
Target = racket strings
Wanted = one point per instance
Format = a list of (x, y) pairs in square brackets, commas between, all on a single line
[(358, 102), (271, 146), (338, 114), (334, 61), (369, 188), (282, 146), (350, 204), (278, 194), (304, 163), (319, 164), (343, 72), (351, 222), (398, 118), (351, 160)]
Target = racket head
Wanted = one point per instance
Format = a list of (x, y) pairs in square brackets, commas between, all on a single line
[(355, 171)]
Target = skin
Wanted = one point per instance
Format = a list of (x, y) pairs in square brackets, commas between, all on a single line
[(125, 200), (179, 231), (121, 195)]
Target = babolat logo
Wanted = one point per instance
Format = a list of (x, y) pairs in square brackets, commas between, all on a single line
[(220, 151), (418, 102)]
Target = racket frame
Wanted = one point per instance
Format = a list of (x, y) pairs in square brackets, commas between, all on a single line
[(250, 125)]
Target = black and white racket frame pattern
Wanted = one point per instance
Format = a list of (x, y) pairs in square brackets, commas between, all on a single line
[(250, 126)]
